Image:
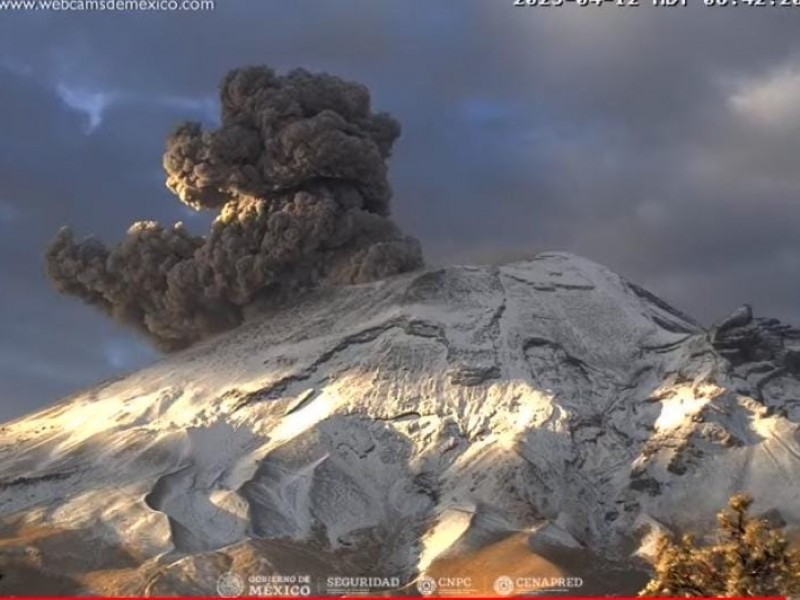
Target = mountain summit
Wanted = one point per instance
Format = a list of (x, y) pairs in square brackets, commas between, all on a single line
[(381, 429)]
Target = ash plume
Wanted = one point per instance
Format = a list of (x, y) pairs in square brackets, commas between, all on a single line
[(297, 171)]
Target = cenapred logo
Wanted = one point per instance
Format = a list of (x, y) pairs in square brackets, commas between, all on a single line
[(230, 585), (503, 586), (426, 585)]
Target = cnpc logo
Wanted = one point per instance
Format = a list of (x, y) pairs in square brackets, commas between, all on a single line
[(444, 585)]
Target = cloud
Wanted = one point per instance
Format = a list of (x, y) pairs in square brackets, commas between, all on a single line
[(8, 213), (91, 104), (770, 100), (94, 104), (205, 108), (121, 353)]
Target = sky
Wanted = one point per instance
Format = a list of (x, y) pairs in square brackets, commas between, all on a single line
[(661, 142)]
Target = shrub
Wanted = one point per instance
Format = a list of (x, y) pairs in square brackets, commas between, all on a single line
[(748, 557)]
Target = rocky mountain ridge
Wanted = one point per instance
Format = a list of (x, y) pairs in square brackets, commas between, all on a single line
[(377, 429)]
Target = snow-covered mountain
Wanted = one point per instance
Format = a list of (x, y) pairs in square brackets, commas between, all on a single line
[(381, 429)]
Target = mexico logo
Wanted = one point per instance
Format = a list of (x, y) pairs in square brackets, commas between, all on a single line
[(230, 585)]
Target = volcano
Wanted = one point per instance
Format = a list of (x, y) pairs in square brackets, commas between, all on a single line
[(457, 426)]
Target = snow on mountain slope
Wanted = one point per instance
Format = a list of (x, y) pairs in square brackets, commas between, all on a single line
[(369, 429)]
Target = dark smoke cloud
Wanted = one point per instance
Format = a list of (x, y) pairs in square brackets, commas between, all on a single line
[(298, 172)]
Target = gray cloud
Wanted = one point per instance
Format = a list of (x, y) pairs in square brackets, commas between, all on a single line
[(658, 141)]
